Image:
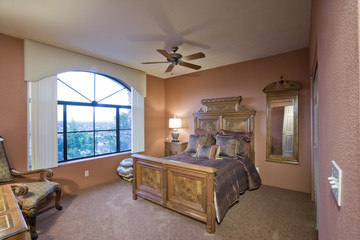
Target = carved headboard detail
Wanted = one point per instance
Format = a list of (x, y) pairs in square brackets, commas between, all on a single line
[(226, 113)]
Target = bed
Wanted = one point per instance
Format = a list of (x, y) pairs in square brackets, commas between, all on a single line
[(191, 183)]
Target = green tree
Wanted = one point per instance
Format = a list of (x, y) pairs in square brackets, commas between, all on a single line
[(79, 144)]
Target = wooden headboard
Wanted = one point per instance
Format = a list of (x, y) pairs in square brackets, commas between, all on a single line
[(226, 113)]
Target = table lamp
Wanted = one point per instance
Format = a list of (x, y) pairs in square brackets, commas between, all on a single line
[(175, 123)]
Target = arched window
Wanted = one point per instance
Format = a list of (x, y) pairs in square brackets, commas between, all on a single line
[(94, 115)]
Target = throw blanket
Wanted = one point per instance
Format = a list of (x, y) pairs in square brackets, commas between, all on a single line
[(233, 177)]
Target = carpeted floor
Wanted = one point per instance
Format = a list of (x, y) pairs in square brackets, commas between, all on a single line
[(108, 212)]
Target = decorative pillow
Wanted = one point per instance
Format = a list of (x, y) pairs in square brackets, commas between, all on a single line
[(244, 141), (210, 152), (228, 145), (244, 147), (210, 140), (127, 162), (194, 142), (210, 136)]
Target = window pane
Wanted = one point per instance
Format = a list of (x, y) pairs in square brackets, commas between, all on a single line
[(60, 118), (92, 130), (125, 140), (125, 119), (121, 98), (80, 145), (67, 94), (105, 118), (60, 147), (105, 142), (83, 82), (105, 86), (79, 118)]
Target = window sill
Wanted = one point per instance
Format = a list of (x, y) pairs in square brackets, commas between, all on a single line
[(95, 158)]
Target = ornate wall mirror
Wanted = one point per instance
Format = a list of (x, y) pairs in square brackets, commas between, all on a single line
[(282, 121)]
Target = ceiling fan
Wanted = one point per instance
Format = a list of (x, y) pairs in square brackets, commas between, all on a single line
[(177, 59)]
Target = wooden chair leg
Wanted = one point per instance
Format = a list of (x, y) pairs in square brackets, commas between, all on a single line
[(57, 199), (30, 217)]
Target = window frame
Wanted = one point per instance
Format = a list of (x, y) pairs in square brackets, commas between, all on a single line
[(94, 104)]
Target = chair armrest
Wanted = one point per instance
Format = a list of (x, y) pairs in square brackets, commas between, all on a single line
[(19, 189), (44, 173)]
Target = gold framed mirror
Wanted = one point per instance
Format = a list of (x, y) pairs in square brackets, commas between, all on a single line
[(282, 121)]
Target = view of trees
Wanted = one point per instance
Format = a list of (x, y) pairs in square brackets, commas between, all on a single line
[(81, 143)]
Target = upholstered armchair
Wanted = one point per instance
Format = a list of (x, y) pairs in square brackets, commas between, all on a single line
[(37, 192)]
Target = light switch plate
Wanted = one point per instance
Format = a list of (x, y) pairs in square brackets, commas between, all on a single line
[(336, 181)]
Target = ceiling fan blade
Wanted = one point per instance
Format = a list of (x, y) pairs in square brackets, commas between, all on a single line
[(153, 62), (193, 56), (165, 54), (169, 68), (190, 65)]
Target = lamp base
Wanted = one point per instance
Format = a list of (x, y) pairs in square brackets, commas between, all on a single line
[(175, 136)]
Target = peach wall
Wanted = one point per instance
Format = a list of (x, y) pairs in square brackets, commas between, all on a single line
[(335, 44), (101, 170), (154, 116), (13, 124), (183, 95), (13, 100)]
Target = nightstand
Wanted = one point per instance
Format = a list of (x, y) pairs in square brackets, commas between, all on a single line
[(172, 148)]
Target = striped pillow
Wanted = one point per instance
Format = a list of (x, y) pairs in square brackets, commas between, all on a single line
[(210, 152)]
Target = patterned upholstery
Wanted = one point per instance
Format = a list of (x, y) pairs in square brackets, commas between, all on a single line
[(36, 193), (5, 175)]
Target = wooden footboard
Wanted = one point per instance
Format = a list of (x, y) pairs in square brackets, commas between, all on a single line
[(185, 188)]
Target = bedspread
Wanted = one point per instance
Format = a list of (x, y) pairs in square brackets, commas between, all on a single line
[(233, 177)]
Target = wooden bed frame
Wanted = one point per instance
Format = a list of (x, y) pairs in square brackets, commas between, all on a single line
[(188, 188)]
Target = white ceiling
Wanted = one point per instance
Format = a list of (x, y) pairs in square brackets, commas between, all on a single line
[(128, 32)]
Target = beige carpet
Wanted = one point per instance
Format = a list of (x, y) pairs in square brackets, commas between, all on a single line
[(108, 212)]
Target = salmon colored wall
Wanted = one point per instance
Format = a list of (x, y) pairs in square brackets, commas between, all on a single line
[(335, 44), (13, 124), (13, 100), (183, 95), (154, 116), (101, 170)]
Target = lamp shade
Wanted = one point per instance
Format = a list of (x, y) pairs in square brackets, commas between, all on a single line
[(174, 122)]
